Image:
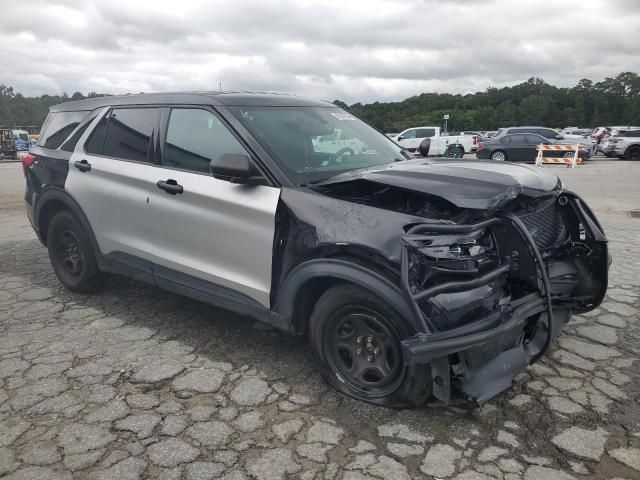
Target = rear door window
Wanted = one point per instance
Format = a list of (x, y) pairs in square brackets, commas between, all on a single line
[(95, 142), (129, 132), (58, 126), (426, 133), (546, 133), (519, 140)]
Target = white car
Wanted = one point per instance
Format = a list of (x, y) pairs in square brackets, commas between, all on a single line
[(413, 137), (581, 136)]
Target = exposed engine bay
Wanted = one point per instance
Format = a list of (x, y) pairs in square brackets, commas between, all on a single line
[(534, 258)]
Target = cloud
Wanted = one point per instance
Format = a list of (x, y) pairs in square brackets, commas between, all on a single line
[(356, 51)]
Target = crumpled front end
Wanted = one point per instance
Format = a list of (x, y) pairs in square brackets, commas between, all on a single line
[(492, 295)]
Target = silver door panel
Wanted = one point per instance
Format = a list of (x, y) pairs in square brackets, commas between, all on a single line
[(217, 231), (114, 197)]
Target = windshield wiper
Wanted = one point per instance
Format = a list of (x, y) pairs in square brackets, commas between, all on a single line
[(313, 182)]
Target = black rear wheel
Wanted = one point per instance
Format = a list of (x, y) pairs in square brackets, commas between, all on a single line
[(499, 156), (355, 339), (71, 254), (633, 153)]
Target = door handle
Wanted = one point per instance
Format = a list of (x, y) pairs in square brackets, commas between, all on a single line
[(170, 186), (82, 165)]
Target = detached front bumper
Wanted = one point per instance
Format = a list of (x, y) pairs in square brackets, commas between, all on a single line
[(480, 358)]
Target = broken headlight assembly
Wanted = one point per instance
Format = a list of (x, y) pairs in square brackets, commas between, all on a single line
[(449, 257), (460, 261)]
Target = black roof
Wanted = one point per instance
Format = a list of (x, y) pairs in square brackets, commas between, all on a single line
[(192, 98)]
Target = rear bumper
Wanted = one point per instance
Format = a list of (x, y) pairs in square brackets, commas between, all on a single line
[(480, 358)]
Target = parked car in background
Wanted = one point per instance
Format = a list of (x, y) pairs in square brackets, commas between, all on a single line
[(582, 136), (624, 145), (543, 131), (411, 139), (582, 132), (520, 147), (552, 135), (607, 145)]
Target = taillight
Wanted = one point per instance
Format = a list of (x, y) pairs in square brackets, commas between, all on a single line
[(27, 161), (474, 140), (480, 146)]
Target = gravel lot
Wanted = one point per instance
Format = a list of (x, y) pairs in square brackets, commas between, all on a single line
[(140, 383)]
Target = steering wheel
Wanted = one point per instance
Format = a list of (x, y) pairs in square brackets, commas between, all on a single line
[(334, 158)]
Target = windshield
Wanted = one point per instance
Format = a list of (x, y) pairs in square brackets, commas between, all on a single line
[(314, 143)]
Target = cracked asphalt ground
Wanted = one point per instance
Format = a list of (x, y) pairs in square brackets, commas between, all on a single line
[(137, 382)]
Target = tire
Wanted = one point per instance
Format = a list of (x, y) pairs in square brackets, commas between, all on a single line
[(72, 256), (424, 147), (499, 156), (346, 313), (633, 153), (455, 151)]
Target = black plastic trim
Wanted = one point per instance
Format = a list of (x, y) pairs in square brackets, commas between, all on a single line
[(59, 194), (187, 285), (424, 348), (349, 272)]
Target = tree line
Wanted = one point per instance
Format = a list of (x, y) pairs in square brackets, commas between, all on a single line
[(613, 101), (16, 109)]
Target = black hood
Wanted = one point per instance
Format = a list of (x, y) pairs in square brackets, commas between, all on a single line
[(465, 183)]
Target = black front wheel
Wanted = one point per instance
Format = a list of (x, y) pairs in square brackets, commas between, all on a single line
[(355, 339), (71, 254)]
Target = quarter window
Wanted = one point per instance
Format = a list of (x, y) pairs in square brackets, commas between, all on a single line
[(58, 126), (195, 137), (129, 131)]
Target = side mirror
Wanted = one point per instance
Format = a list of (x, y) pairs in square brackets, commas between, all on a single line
[(234, 168), (400, 137)]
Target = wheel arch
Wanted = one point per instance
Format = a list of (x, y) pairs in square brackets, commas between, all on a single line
[(54, 200), (304, 285)]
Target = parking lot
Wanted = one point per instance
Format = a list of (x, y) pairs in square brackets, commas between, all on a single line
[(137, 382)]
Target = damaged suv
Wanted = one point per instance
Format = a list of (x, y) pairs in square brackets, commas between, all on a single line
[(411, 277)]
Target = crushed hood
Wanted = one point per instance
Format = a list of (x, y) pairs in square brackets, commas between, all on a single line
[(472, 184)]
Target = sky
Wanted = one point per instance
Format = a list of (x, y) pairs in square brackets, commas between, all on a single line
[(352, 50)]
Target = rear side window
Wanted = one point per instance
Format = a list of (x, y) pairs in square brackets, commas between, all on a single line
[(70, 144), (195, 137), (95, 142), (551, 134), (426, 133), (58, 126), (518, 139), (128, 134), (536, 139)]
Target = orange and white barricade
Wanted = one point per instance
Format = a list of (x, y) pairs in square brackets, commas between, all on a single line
[(567, 158)]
